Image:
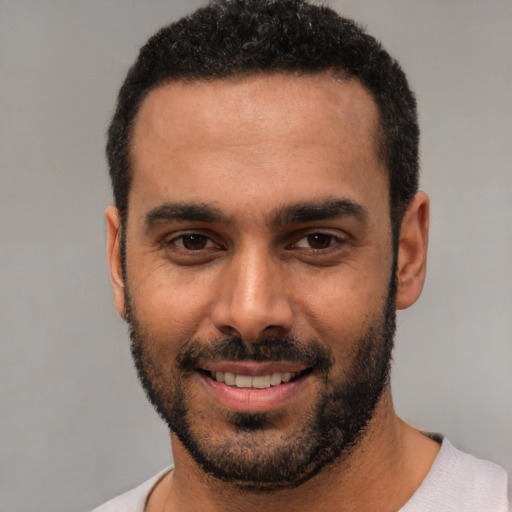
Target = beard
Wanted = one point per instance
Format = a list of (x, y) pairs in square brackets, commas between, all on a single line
[(254, 453)]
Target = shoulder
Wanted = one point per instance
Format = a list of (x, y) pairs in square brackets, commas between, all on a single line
[(459, 481), (135, 499)]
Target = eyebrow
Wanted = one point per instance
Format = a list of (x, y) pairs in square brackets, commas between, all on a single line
[(302, 212), (183, 211), (310, 211)]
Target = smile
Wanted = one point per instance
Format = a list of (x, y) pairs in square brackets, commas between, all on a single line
[(253, 387), (254, 382)]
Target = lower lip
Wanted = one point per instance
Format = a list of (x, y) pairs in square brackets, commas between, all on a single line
[(253, 400)]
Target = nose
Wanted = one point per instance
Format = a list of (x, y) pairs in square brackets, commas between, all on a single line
[(253, 298)]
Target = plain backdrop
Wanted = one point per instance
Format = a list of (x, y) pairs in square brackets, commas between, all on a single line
[(75, 428)]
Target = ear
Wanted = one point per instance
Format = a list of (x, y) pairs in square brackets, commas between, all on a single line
[(412, 251), (114, 258)]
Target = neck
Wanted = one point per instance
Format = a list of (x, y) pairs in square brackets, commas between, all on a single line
[(380, 473)]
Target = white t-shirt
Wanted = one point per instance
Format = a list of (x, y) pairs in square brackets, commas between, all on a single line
[(456, 482)]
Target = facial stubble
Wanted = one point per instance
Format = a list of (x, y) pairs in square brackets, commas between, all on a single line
[(254, 454)]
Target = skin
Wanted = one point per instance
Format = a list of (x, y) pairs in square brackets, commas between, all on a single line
[(250, 148)]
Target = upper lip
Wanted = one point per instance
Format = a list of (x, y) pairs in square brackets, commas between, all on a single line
[(252, 368)]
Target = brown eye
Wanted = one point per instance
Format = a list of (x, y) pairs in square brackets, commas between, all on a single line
[(194, 242), (319, 240)]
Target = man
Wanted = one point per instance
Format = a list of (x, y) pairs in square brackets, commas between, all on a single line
[(267, 225)]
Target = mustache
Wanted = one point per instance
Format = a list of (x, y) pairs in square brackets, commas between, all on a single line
[(267, 349)]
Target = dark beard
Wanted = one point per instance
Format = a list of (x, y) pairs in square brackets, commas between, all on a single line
[(332, 430)]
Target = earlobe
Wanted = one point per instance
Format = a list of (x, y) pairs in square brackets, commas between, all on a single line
[(114, 258), (412, 251)]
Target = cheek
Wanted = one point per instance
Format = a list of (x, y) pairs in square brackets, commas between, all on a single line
[(171, 305), (342, 306)]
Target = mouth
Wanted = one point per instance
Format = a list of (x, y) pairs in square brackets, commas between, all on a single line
[(251, 386), (269, 380)]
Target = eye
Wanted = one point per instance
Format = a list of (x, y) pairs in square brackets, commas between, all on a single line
[(317, 241), (191, 248), (193, 242)]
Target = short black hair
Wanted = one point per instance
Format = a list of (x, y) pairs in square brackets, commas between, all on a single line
[(228, 38)]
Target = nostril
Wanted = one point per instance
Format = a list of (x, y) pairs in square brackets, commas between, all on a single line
[(277, 330), (227, 330)]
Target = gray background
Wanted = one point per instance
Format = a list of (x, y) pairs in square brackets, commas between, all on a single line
[(74, 427)]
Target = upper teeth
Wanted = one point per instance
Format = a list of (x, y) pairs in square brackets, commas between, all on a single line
[(258, 382)]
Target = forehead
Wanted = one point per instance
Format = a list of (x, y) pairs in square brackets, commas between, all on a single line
[(235, 104), (293, 133)]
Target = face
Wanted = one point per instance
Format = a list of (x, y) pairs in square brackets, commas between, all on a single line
[(259, 271)]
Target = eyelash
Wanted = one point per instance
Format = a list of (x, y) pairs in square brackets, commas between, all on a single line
[(329, 240), (332, 240), (200, 236)]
